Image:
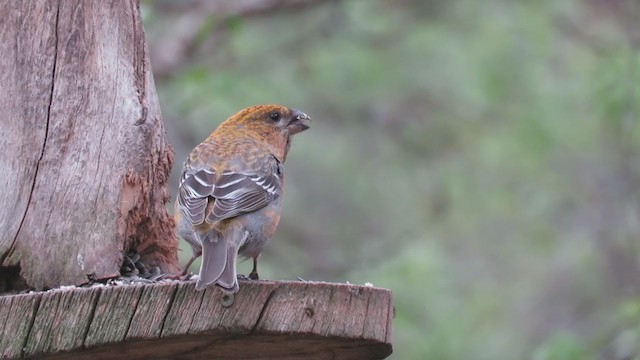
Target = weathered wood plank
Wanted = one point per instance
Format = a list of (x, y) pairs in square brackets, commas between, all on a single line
[(73, 318), (379, 312), (61, 320), (5, 310), (148, 319), (113, 314), (343, 308), (231, 314), (18, 323), (284, 320), (39, 338), (180, 315), (315, 306)]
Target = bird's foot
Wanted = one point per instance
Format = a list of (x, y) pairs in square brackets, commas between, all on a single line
[(252, 276)]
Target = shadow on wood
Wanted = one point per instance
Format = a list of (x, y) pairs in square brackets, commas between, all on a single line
[(172, 320)]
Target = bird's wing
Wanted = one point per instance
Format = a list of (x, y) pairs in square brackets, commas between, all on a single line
[(196, 185), (238, 192)]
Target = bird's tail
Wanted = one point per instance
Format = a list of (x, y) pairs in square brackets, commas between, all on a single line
[(218, 263)]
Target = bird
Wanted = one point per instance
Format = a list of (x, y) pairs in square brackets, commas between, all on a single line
[(230, 192)]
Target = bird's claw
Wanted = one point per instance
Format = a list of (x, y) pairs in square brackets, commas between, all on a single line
[(252, 276)]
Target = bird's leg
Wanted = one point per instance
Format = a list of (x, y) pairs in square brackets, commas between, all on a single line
[(193, 258), (254, 273)]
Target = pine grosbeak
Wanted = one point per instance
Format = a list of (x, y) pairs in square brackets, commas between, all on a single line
[(230, 195)]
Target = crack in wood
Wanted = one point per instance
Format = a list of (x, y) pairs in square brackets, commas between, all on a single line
[(193, 317), (95, 202), (166, 313), (140, 65), (44, 142), (133, 314), (263, 310), (91, 315), (34, 313), (4, 323)]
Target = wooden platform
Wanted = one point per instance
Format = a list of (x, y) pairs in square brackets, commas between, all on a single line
[(171, 320)]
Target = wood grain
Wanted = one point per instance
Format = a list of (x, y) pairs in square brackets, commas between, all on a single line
[(279, 320), (84, 158)]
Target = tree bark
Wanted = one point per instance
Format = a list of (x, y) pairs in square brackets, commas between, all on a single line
[(84, 162)]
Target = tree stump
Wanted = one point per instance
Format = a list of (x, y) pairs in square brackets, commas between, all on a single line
[(279, 320), (84, 161)]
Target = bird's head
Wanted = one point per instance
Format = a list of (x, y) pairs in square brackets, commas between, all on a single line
[(272, 125)]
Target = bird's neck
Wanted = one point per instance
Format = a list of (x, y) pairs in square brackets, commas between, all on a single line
[(275, 143)]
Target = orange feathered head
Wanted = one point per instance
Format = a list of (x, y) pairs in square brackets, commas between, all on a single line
[(272, 125)]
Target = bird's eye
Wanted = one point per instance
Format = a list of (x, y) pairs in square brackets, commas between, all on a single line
[(274, 116)]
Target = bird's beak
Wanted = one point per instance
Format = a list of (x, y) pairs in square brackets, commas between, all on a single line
[(299, 122)]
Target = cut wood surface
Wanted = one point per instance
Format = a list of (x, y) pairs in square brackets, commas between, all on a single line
[(171, 320)]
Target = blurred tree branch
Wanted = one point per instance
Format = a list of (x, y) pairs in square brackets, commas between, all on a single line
[(192, 19)]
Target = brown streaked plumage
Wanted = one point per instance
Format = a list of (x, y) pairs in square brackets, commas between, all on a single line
[(230, 196)]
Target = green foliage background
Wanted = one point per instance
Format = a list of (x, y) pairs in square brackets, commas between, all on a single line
[(479, 158)]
